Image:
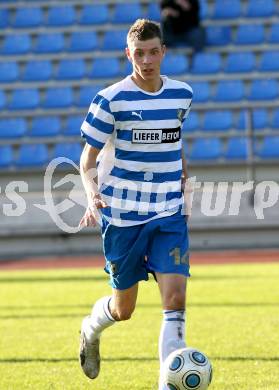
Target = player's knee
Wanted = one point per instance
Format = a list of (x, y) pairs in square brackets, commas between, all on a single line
[(124, 314)]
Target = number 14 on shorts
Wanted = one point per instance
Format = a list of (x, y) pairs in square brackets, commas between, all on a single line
[(178, 258)]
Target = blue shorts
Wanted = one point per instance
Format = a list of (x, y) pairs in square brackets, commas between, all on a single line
[(160, 245)]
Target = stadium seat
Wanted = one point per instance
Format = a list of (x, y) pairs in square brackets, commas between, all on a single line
[(275, 119), (16, 44), (9, 71), (206, 63), (49, 43), (218, 35), (206, 149), (59, 97), (240, 62), (227, 9), (243, 120), (127, 12), (83, 41), (6, 156), (12, 127), (37, 71), (115, 40), (204, 10), (229, 91), (274, 34), (46, 126), (218, 120), (71, 69), (174, 64), (250, 34), (32, 155), (28, 17), (153, 11), (270, 61), (4, 18), (105, 67), (73, 125), (25, 99), (201, 91), (61, 15), (2, 99), (260, 119), (86, 94), (94, 14), (260, 8), (191, 123), (68, 150), (269, 148), (236, 148), (266, 89)]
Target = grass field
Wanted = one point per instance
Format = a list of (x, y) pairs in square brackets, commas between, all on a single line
[(233, 316)]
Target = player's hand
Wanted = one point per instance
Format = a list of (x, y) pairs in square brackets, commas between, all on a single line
[(91, 215), (187, 189)]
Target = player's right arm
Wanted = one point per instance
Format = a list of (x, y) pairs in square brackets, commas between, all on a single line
[(88, 172)]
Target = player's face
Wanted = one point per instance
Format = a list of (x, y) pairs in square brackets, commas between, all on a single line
[(146, 57)]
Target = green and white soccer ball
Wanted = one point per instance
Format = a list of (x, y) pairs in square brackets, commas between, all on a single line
[(187, 369)]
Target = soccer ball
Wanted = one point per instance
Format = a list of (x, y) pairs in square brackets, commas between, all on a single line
[(187, 368)]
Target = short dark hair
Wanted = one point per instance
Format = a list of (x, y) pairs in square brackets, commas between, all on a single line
[(144, 29)]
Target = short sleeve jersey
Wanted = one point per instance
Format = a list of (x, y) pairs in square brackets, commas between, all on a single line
[(139, 134)]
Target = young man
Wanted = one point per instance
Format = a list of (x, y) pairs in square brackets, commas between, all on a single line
[(136, 124)]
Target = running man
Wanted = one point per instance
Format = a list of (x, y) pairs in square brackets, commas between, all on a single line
[(133, 137)]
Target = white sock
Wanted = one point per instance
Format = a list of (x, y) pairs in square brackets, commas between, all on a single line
[(172, 336), (99, 319)]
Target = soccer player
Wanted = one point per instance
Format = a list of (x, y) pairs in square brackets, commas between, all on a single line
[(133, 137)]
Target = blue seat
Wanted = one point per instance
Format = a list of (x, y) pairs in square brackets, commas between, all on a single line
[(274, 34), (218, 120), (61, 15), (260, 118), (275, 119), (49, 43), (250, 34), (266, 89), (46, 126), (6, 156), (240, 62), (115, 40), (206, 63), (126, 12), (174, 64), (270, 61), (86, 95), (83, 41), (191, 123), (12, 127), (32, 155), (204, 10), (236, 149), (73, 125), (4, 18), (28, 17), (94, 14), (260, 8), (269, 148), (9, 71), (68, 150), (229, 91), (37, 71), (201, 91), (2, 99), (71, 69), (218, 35), (243, 120), (25, 99), (59, 97), (105, 67), (227, 9), (206, 149), (16, 44), (154, 12)]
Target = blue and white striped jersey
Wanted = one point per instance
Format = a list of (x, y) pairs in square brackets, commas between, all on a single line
[(140, 164)]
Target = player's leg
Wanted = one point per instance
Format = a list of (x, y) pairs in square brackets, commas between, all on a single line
[(106, 311)]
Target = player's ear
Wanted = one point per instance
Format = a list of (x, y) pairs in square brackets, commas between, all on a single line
[(164, 49), (128, 54)]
